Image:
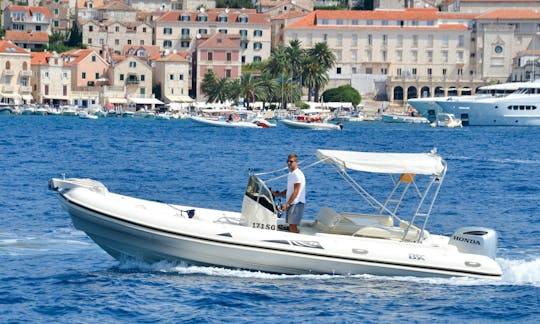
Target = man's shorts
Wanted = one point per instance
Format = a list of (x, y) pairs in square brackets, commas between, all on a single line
[(295, 213)]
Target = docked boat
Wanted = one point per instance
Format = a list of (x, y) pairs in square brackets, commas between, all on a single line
[(446, 120), (402, 118), (225, 122), (381, 241), (6, 109), (429, 108), (86, 115), (302, 122), (520, 108)]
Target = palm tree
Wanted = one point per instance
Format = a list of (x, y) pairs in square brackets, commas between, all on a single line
[(276, 65), (216, 89), (322, 55), (295, 57), (250, 88)]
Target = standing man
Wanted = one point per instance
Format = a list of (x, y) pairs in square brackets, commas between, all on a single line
[(295, 194)]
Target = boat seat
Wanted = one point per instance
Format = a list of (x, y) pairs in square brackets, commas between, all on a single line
[(330, 221), (391, 233)]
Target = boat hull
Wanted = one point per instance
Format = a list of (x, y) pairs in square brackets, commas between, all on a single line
[(155, 231), (310, 125), (223, 123)]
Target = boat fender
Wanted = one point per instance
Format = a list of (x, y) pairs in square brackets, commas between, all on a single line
[(190, 213)]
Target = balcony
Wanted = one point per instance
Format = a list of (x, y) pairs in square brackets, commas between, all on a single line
[(9, 72), (26, 73), (8, 89), (133, 81), (25, 89)]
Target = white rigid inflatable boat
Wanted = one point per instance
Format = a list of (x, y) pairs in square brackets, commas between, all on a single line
[(380, 243)]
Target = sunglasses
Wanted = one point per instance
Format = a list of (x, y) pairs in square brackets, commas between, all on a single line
[(291, 161)]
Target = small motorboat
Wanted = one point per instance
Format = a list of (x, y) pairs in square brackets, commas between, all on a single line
[(380, 241), (302, 122), (224, 122), (446, 120), (86, 115), (403, 118)]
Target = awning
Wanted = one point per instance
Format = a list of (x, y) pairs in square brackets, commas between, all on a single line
[(10, 95), (146, 101), (180, 98), (117, 100), (55, 97), (417, 163), (27, 97)]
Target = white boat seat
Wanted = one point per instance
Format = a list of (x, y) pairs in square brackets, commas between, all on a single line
[(330, 221), (391, 233)]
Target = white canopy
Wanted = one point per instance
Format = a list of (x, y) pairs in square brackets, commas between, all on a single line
[(417, 163), (146, 101)]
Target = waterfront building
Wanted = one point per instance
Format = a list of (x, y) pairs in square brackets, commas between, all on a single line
[(401, 54), (134, 73), (88, 69), (526, 64), (179, 30), (51, 83), (219, 53), (15, 75), (276, 8), (172, 74), (115, 34)]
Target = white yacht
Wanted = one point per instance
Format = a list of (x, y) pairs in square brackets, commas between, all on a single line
[(521, 108), (429, 108)]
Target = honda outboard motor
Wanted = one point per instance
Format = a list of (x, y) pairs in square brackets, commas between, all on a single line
[(475, 240)]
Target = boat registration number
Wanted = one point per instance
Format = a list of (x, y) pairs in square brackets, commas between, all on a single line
[(264, 226)]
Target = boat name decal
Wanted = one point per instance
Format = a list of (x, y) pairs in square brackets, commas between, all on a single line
[(418, 257), (466, 240), (264, 226), (309, 244)]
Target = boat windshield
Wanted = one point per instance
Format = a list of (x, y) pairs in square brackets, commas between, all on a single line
[(258, 191)]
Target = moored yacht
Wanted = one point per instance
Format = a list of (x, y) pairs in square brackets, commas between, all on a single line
[(521, 108), (429, 108)]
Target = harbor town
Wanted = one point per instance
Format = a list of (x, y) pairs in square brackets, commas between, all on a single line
[(176, 58)]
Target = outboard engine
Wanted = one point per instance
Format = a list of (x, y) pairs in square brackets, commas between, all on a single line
[(475, 240)]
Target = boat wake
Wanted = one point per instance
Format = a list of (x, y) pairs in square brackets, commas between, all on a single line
[(515, 272)]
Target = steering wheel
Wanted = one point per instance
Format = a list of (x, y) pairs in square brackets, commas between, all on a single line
[(279, 205)]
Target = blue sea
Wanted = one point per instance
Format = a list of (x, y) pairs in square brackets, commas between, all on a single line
[(51, 272)]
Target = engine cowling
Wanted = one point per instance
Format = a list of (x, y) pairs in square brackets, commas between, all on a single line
[(475, 240)]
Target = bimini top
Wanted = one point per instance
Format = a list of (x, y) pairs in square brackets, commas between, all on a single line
[(417, 163)]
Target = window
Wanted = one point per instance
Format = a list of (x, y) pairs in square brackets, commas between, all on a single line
[(414, 71), (370, 39), (83, 75), (56, 23), (222, 31), (64, 90), (385, 39), (243, 33), (222, 19), (257, 33), (415, 41), (93, 58), (257, 59), (229, 56), (243, 19), (90, 28), (338, 70), (228, 73), (89, 41), (354, 41), (171, 77), (142, 77), (398, 71), (399, 55), (185, 18), (46, 89), (445, 56), (121, 77), (443, 71), (167, 31), (203, 31), (399, 40), (184, 44), (96, 75), (429, 71), (430, 41), (210, 56), (461, 41), (116, 42), (56, 11), (202, 18), (167, 44), (117, 29), (132, 64), (257, 46), (243, 59), (181, 77), (185, 31)]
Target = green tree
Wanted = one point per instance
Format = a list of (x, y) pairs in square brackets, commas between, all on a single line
[(75, 37), (344, 93), (322, 54)]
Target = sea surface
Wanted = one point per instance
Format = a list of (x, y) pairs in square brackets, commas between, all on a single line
[(51, 272)]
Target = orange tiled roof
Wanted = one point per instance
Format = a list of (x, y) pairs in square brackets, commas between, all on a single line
[(154, 51), (173, 57), (27, 37), (510, 14), (31, 10), (40, 58), (290, 14), (7, 46), (77, 55), (221, 41), (232, 16), (81, 4)]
